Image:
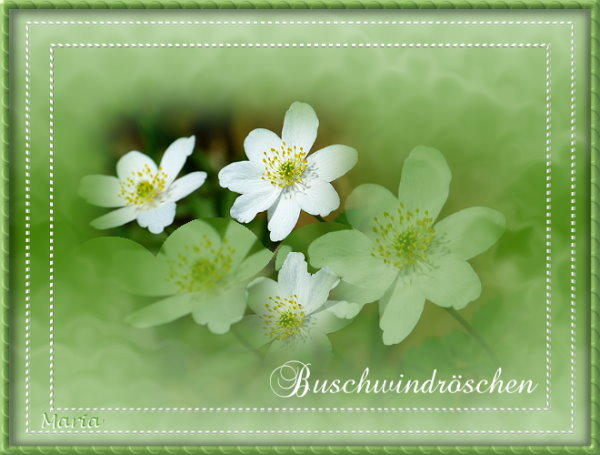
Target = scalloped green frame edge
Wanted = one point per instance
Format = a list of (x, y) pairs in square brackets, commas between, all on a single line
[(594, 8)]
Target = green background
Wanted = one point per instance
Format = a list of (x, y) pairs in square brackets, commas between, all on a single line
[(484, 108)]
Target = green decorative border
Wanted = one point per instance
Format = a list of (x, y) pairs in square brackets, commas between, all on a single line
[(594, 8)]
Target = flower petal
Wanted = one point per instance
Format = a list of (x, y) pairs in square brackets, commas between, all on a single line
[(300, 126), (332, 162), (253, 264), (141, 272), (348, 254), (367, 202), (471, 231), (320, 198), (161, 312), (247, 205), (361, 295), (258, 293), (218, 312), (101, 190), (157, 218), (180, 188), (400, 310), (425, 181), (124, 265), (301, 238), (293, 277), (319, 285), (258, 142), (133, 162), (242, 177), (175, 156), (452, 283), (343, 309), (190, 235), (334, 318), (283, 216), (115, 218), (240, 239)]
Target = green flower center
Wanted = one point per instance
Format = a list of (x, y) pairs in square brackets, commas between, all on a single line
[(285, 318), (284, 166), (404, 238), (201, 267), (142, 187)]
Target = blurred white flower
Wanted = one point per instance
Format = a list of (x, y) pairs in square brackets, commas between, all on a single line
[(400, 253), (143, 191), (282, 178)]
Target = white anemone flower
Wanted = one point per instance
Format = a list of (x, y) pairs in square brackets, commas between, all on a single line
[(143, 191), (400, 254), (282, 178), (294, 314)]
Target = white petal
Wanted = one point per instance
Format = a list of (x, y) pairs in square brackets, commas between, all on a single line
[(320, 198), (321, 283), (283, 217), (175, 156), (246, 206), (342, 309), (101, 190), (400, 310), (365, 203), (425, 181), (158, 218), (180, 188), (452, 282), (133, 162), (333, 317), (259, 142), (349, 254), (258, 293), (115, 218), (218, 311), (241, 177), (293, 277), (300, 126), (332, 162)]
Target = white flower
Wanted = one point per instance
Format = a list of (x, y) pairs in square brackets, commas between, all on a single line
[(282, 178), (294, 314), (143, 191), (399, 255)]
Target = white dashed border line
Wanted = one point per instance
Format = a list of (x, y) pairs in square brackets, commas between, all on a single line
[(548, 147)]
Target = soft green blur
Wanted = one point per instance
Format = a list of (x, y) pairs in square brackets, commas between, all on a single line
[(483, 108)]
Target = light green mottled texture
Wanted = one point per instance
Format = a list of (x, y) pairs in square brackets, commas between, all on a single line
[(484, 107)]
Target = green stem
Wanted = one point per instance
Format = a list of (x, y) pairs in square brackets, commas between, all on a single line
[(320, 218), (462, 321)]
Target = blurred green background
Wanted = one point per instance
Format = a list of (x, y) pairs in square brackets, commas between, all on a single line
[(484, 108)]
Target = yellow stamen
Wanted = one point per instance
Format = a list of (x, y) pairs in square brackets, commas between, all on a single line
[(285, 318), (201, 266), (403, 238), (142, 187), (284, 166)]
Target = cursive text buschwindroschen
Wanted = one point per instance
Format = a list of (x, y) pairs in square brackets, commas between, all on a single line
[(293, 379)]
